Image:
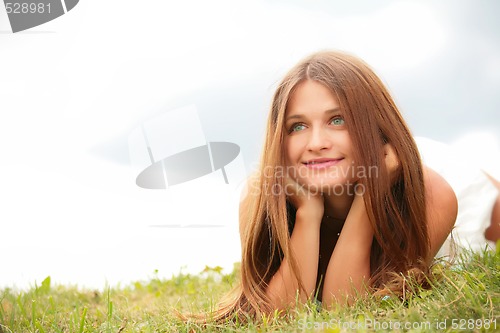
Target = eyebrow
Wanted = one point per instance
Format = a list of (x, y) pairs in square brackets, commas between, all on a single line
[(300, 116)]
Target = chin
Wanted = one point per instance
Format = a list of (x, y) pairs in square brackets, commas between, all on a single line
[(328, 185)]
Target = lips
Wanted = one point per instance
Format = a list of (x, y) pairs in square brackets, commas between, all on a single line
[(322, 162)]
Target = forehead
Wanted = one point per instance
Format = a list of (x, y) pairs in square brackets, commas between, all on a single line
[(311, 96)]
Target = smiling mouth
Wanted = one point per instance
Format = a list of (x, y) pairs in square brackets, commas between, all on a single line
[(322, 163)]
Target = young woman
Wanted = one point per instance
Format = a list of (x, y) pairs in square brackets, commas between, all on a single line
[(342, 201)]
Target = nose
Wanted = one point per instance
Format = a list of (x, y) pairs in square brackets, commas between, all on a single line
[(319, 140)]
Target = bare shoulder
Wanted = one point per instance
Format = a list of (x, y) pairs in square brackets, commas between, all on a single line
[(442, 208)]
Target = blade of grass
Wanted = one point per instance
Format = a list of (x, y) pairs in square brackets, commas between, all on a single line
[(3, 327), (39, 327), (82, 320), (33, 312), (20, 304), (2, 311)]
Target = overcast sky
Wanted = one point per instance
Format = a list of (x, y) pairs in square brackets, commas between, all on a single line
[(73, 91)]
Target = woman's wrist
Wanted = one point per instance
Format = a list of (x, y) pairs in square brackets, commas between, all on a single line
[(310, 213), (358, 218)]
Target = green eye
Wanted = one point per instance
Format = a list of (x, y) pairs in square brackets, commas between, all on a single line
[(337, 121), (297, 127)]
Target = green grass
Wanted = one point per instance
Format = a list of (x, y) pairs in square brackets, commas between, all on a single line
[(465, 299)]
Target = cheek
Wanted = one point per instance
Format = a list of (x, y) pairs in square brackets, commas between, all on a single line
[(292, 155), (345, 144), (289, 152)]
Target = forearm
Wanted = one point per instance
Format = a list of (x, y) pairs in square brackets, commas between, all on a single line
[(349, 266), (304, 242)]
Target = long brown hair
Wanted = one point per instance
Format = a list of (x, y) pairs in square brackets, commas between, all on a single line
[(396, 208)]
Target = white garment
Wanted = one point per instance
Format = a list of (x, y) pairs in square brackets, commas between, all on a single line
[(475, 192)]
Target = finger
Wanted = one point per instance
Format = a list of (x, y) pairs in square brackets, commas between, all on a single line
[(389, 149), (391, 158)]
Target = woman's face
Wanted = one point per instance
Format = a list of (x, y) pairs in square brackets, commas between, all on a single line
[(318, 147)]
